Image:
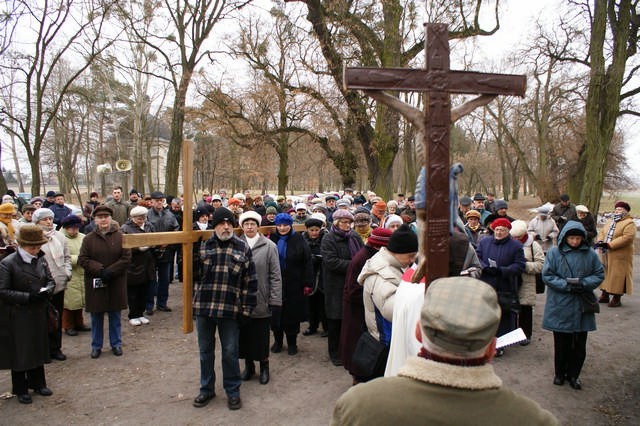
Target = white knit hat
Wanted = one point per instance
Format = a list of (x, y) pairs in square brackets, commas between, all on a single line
[(518, 228)]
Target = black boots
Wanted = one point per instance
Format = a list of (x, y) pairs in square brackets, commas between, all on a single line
[(249, 370), (278, 337), (264, 372), (615, 301), (292, 344)]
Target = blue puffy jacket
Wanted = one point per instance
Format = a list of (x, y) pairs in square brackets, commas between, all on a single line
[(562, 311)]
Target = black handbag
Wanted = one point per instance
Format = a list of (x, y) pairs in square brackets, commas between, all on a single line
[(589, 303), (369, 357), (52, 318), (539, 283)]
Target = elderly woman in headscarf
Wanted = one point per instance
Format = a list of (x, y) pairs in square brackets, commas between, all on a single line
[(338, 248), (543, 228), (294, 256), (58, 257), (615, 242)]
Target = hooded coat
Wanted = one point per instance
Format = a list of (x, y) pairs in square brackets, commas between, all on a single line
[(563, 309), (104, 251)]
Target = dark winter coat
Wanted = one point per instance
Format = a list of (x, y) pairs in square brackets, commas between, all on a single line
[(104, 251), (509, 257), (142, 267), (353, 307), (163, 221), (589, 224), (297, 275), (562, 310), (335, 261), (24, 340)]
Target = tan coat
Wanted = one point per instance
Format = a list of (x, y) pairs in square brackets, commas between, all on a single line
[(618, 260), (535, 262), (431, 393)]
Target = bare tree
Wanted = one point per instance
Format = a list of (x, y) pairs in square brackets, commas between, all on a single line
[(612, 40), (62, 28), (181, 45)]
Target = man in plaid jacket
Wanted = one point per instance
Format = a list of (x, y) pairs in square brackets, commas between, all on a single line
[(223, 299)]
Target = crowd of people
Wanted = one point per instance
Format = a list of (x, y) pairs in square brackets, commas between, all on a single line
[(337, 260)]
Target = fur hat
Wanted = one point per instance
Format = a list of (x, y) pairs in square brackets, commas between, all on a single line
[(343, 202), (301, 206), (403, 240), (250, 215), (313, 222), (391, 219), (31, 235), (222, 215), (40, 214), (234, 202), (460, 314), (518, 228), (7, 208), (379, 237), (472, 213)]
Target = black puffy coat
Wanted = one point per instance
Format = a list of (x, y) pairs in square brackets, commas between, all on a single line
[(335, 261)]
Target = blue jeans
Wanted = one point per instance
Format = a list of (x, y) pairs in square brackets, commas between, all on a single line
[(229, 333), (97, 329), (159, 287)]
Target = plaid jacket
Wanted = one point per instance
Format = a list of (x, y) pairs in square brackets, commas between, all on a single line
[(229, 284)]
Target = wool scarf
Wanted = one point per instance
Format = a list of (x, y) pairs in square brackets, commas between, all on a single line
[(282, 249), (351, 237)]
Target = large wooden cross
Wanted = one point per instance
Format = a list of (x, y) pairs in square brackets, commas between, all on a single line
[(438, 81), (187, 237)]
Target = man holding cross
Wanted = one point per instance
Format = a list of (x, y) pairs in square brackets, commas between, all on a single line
[(223, 299)]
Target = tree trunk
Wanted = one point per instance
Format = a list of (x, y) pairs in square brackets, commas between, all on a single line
[(175, 144), (603, 98)]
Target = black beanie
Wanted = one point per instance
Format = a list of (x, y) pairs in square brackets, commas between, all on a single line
[(220, 215), (403, 240)]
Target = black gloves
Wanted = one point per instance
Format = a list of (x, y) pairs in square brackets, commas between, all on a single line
[(106, 275), (575, 286), (538, 238), (38, 297), (492, 271)]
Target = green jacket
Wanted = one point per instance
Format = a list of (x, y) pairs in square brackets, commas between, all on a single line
[(74, 295), (431, 393)]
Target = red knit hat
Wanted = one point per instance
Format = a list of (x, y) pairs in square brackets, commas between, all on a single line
[(501, 222), (379, 237)]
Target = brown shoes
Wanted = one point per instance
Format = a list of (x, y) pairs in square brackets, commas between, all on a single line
[(615, 301), (604, 297)]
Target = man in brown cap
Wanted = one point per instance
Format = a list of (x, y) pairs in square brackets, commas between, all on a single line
[(450, 382)]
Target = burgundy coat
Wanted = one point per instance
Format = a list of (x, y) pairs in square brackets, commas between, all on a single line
[(353, 307)]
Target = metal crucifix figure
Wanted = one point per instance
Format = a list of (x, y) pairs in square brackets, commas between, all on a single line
[(438, 81)]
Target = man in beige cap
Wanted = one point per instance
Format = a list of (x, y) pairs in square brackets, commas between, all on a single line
[(450, 382)]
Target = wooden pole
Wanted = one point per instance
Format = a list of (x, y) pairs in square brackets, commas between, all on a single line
[(187, 224)]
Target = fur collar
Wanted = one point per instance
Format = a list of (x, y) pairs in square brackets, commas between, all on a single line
[(472, 378)]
